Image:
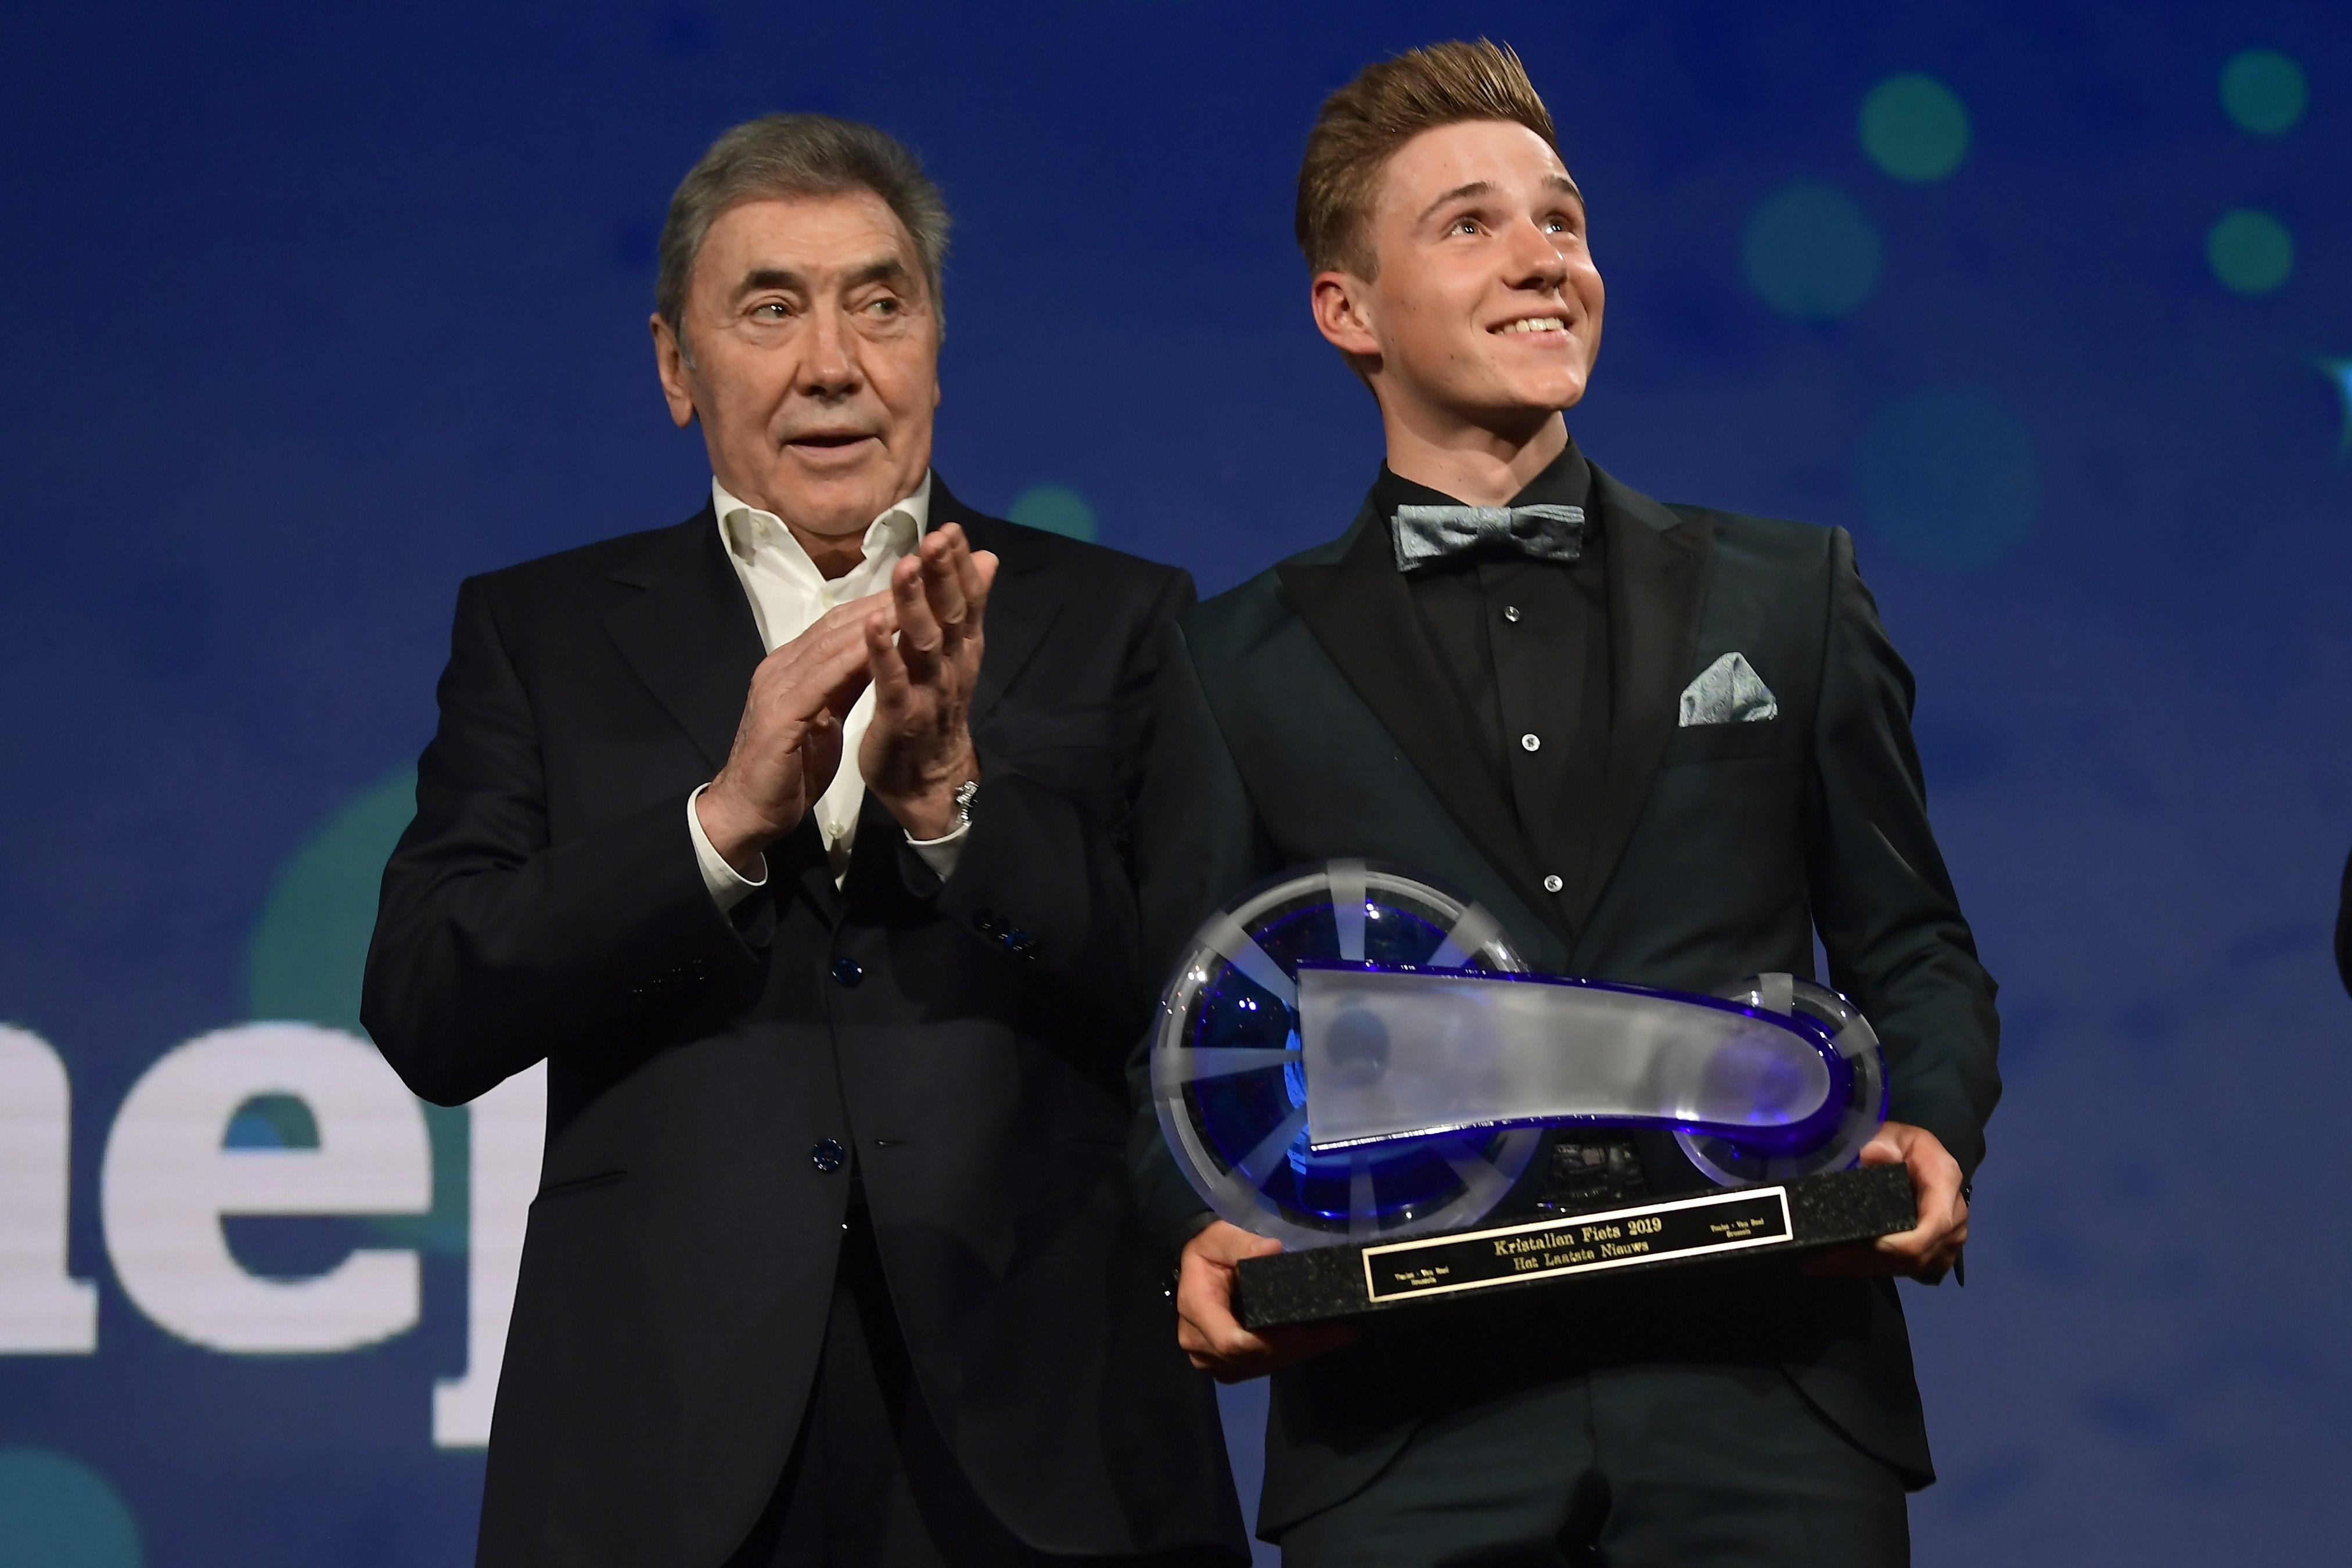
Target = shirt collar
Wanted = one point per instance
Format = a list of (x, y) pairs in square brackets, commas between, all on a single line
[(744, 528), (1566, 480)]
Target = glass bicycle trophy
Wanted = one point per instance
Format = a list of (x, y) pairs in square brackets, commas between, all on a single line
[(1357, 1063)]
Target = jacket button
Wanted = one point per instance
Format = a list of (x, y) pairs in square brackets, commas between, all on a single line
[(1553, 884), (848, 972), (828, 1156)]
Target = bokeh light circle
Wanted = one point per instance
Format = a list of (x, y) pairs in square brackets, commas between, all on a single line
[(1950, 480), (2251, 251), (1810, 253), (55, 1512), (1056, 509), (1915, 128), (2263, 91)]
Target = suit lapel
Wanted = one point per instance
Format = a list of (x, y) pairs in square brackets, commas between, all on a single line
[(1359, 610), (1659, 566), (1020, 610), (688, 633), (690, 637)]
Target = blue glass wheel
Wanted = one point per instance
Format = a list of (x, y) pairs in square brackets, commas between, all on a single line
[(1859, 1107), (1229, 1086)]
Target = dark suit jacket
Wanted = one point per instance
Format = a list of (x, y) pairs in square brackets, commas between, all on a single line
[(546, 903), (1303, 717)]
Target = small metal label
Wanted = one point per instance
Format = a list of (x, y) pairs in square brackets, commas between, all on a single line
[(1581, 1244)]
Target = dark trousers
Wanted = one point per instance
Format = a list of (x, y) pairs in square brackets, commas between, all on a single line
[(871, 1483), (1646, 1467)]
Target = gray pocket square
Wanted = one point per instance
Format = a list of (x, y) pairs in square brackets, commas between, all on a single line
[(1729, 691)]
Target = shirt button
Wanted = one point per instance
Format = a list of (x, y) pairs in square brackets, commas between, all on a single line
[(1553, 884), (828, 1156), (1529, 744), (848, 972), (1511, 613)]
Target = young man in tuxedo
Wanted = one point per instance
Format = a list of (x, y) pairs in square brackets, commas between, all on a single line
[(1664, 745), (793, 838)]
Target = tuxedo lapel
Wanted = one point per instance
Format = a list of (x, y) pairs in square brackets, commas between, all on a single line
[(1359, 610), (688, 633), (1658, 570)]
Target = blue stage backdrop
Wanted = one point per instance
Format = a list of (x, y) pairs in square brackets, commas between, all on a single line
[(315, 311)]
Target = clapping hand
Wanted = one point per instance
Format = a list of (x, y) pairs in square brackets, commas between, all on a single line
[(788, 746), (917, 750)]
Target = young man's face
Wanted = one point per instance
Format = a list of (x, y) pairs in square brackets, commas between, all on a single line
[(1485, 308)]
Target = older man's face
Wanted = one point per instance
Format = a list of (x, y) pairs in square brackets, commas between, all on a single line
[(811, 355)]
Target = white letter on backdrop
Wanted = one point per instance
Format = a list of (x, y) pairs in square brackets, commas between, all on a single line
[(505, 1136), (43, 1309), (167, 1182)]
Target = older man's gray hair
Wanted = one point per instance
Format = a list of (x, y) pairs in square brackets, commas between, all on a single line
[(798, 155)]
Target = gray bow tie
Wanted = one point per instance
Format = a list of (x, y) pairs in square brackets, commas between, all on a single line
[(1425, 535)]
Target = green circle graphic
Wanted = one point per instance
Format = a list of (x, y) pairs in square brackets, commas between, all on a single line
[(57, 1512), (306, 954), (2251, 251), (1056, 509), (1915, 128), (272, 1122), (304, 964), (2263, 91), (1810, 253)]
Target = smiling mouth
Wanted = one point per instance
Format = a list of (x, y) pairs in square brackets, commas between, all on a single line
[(1531, 325), (830, 438)]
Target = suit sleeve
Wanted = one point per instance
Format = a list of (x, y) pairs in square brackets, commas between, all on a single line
[(495, 948), (1044, 882), (1198, 841), (1888, 917)]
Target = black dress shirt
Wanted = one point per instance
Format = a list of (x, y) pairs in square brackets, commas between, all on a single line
[(1525, 645)]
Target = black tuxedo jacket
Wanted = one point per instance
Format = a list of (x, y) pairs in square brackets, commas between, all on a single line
[(1303, 717), (962, 1041)]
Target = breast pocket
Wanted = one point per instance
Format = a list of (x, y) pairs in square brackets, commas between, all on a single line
[(1725, 743)]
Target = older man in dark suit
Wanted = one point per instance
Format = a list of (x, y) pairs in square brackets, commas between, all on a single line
[(795, 838)]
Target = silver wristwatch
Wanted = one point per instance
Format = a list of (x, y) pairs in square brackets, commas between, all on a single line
[(966, 793)]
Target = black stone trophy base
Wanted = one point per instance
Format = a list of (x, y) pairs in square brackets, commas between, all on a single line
[(1348, 1280)]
